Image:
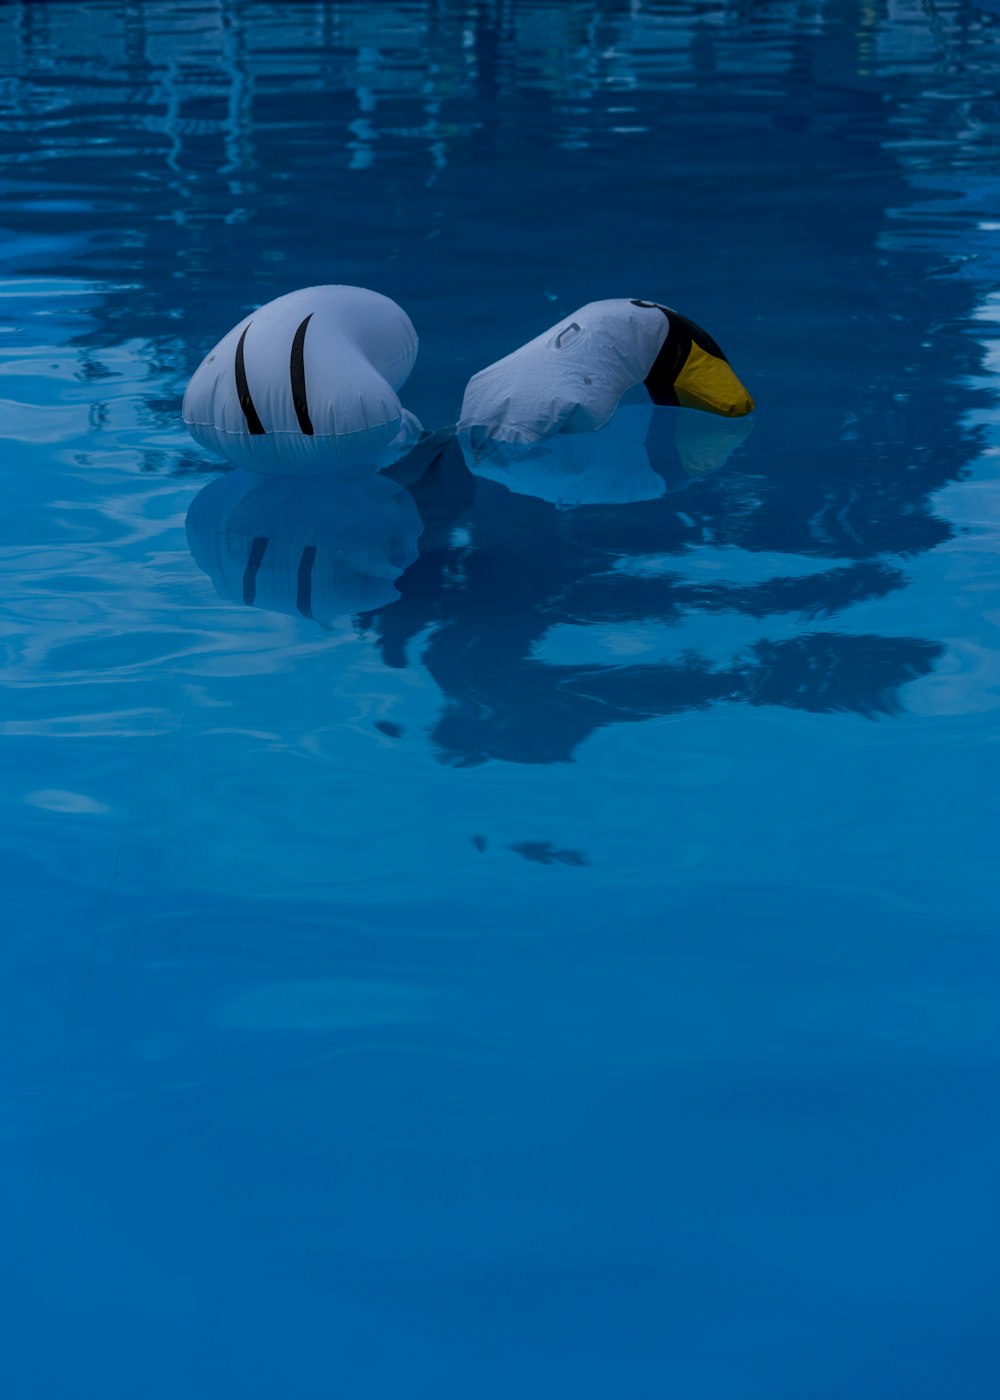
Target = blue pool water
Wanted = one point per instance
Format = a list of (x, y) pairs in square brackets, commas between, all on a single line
[(566, 963)]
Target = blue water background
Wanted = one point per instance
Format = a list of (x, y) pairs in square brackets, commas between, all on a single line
[(579, 976)]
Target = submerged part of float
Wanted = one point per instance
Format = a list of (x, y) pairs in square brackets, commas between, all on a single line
[(308, 385), (639, 456), (571, 378), (321, 548), (685, 447)]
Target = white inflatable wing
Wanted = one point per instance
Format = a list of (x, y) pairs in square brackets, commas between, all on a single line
[(571, 378), (308, 385)]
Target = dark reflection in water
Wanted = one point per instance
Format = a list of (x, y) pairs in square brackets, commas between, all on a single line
[(312, 547), (529, 566), (488, 594)]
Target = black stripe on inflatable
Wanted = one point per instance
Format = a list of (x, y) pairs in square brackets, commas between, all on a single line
[(243, 390), (298, 372), (674, 352), (304, 588), (258, 547)]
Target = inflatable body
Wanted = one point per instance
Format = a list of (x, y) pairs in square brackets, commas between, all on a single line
[(308, 385), (571, 378), (640, 456), (321, 549)]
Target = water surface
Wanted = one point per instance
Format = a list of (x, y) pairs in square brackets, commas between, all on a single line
[(556, 954)]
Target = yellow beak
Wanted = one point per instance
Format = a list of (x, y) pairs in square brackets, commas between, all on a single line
[(708, 383)]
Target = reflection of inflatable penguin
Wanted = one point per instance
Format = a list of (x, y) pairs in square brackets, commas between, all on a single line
[(321, 548), (308, 385), (571, 378), (639, 456)]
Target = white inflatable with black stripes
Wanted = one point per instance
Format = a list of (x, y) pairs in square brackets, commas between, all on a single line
[(308, 385)]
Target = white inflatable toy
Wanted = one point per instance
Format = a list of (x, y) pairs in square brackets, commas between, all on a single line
[(308, 385), (320, 548), (571, 378)]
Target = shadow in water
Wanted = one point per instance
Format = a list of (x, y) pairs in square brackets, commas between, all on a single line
[(496, 572)]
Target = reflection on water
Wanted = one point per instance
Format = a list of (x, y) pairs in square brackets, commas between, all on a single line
[(639, 455), (319, 548), (329, 548), (353, 1037), (527, 566)]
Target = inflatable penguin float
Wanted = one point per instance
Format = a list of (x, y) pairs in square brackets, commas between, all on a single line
[(571, 378)]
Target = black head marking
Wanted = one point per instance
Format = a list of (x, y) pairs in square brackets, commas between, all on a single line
[(682, 334)]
